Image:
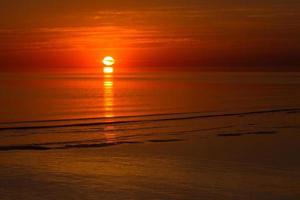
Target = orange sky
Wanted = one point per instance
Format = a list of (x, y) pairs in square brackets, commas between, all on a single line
[(158, 35)]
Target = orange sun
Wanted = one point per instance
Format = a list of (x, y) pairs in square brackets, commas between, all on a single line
[(108, 61)]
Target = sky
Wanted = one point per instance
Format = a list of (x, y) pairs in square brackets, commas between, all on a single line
[(159, 34)]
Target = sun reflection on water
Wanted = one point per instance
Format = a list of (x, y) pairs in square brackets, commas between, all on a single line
[(108, 104), (108, 96)]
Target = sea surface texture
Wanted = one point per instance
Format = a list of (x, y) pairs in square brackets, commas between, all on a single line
[(202, 135)]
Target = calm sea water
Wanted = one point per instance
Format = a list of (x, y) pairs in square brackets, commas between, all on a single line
[(67, 106), (76, 96), (171, 136)]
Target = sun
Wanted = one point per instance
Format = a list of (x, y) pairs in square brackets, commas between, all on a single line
[(108, 61)]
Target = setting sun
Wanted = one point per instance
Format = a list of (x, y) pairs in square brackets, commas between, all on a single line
[(108, 61)]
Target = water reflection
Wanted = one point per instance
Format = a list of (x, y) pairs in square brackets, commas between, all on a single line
[(108, 104), (108, 84)]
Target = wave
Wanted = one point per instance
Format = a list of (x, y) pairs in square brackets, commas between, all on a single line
[(122, 139), (41, 147), (143, 118), (95, 118)]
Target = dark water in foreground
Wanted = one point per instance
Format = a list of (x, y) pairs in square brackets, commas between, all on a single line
[(175, 136)]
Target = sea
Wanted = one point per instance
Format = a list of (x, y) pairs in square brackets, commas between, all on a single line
[(154, 135)]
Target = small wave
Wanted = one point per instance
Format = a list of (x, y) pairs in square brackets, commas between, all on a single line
[(44, 148), (247, 133), (173, 117), (90, 143), (96, 118)]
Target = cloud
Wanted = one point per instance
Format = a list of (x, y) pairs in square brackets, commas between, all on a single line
[(202, 30)]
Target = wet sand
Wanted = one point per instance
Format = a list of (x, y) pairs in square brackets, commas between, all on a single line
[(231, 164)]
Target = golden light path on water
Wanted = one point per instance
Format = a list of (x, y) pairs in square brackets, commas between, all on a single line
[(108, 70), (108, 104), (108, 85)]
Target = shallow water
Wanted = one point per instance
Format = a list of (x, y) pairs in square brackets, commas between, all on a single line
[(38, 97), (179, 136), (60, 110)]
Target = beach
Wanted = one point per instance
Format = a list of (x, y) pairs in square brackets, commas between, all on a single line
[(210, 139), (149, 100), (258, 166)]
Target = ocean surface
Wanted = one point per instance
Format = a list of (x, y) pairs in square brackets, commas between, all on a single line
[(208, 135)]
